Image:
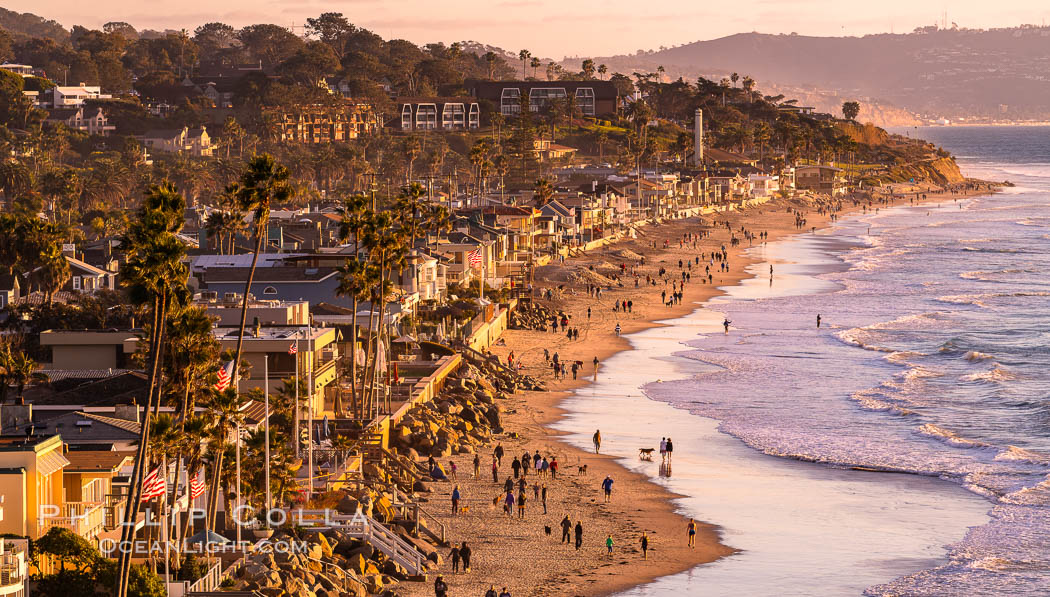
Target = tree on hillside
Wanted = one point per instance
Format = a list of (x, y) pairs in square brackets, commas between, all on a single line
[(602, 69), (588, 68), (490, 59), (524, 55), (734, 78), (332, 29), (535, 63), (850, 110)]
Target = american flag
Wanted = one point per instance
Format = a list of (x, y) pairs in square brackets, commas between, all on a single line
[(474, 258), (225, 376), (196, 487), (154, 485), (293, 349)]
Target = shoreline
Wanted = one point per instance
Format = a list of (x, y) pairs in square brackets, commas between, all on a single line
[(535, 415)]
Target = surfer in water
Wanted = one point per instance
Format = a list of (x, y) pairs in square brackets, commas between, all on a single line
[(725, 324)]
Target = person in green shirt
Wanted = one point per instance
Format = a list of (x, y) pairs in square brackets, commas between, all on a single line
[(609, 544)]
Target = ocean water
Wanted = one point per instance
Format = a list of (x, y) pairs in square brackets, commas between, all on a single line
[(932, 364)]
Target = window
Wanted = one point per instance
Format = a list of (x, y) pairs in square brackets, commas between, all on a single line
[(540, 97), (426, 117), (269, 290), (406, 117), (509, 101), (76, 282), (585, 100)]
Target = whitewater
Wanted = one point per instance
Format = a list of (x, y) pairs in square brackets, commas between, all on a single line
[(932, 363)]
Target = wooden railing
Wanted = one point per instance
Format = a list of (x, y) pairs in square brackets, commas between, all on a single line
[(365, 528)]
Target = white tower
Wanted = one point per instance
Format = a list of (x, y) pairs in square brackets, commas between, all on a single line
[(698, 138)]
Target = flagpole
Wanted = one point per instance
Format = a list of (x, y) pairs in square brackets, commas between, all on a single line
[(266, 432), (237, 430), (164, 505), (298, 450), (481, 289), (310, 419)]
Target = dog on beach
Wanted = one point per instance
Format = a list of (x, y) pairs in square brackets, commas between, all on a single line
[(582, 470), (547, 530)]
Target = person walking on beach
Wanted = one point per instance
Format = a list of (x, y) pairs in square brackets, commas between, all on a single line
[(609, 545), (440, 587), (566, 529), (607, 488), (663, 449), (477, 466), (454, 556), (575, 368), (818, 320), (645, 546), (597, 439), (491, 592), (495, 471), (691, 529), (595, 368), (508, 504), (543, 497), (521, 505), (498, 453), (670, 450), (505, 592), (617, 329), (554, 468), (516, 467), (464, 552), (455, 500), (725, 324), (578, 531)]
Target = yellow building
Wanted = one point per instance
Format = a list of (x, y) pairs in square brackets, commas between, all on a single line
[(31, 481)]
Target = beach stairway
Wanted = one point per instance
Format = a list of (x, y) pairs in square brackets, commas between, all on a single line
[(424, 522), (365, 528), (395, 548)]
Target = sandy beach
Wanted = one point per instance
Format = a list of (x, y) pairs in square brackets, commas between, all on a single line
[(518, 554)]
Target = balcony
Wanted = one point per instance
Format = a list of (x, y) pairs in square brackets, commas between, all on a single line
[(86, 519), (13, 569)]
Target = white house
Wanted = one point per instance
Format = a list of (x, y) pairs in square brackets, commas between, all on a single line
[(763, 185)]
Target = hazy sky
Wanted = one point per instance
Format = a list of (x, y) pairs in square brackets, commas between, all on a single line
[(556, 28)]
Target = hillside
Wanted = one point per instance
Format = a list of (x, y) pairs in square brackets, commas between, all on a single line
[(952, 73), (23, 25)]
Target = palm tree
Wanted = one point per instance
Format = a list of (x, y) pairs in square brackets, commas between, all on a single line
[(498, 120), (20, 371), (195, 430), (749, 86), (524, 55), (602, 141), (535, 63), (386, 249), (356, 279), (490, 58), (724, 85), (154, 274), (263, 182), (734, 78), (224, 408), (602, 69), (192, 354), (543, 190), (53, 271)]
